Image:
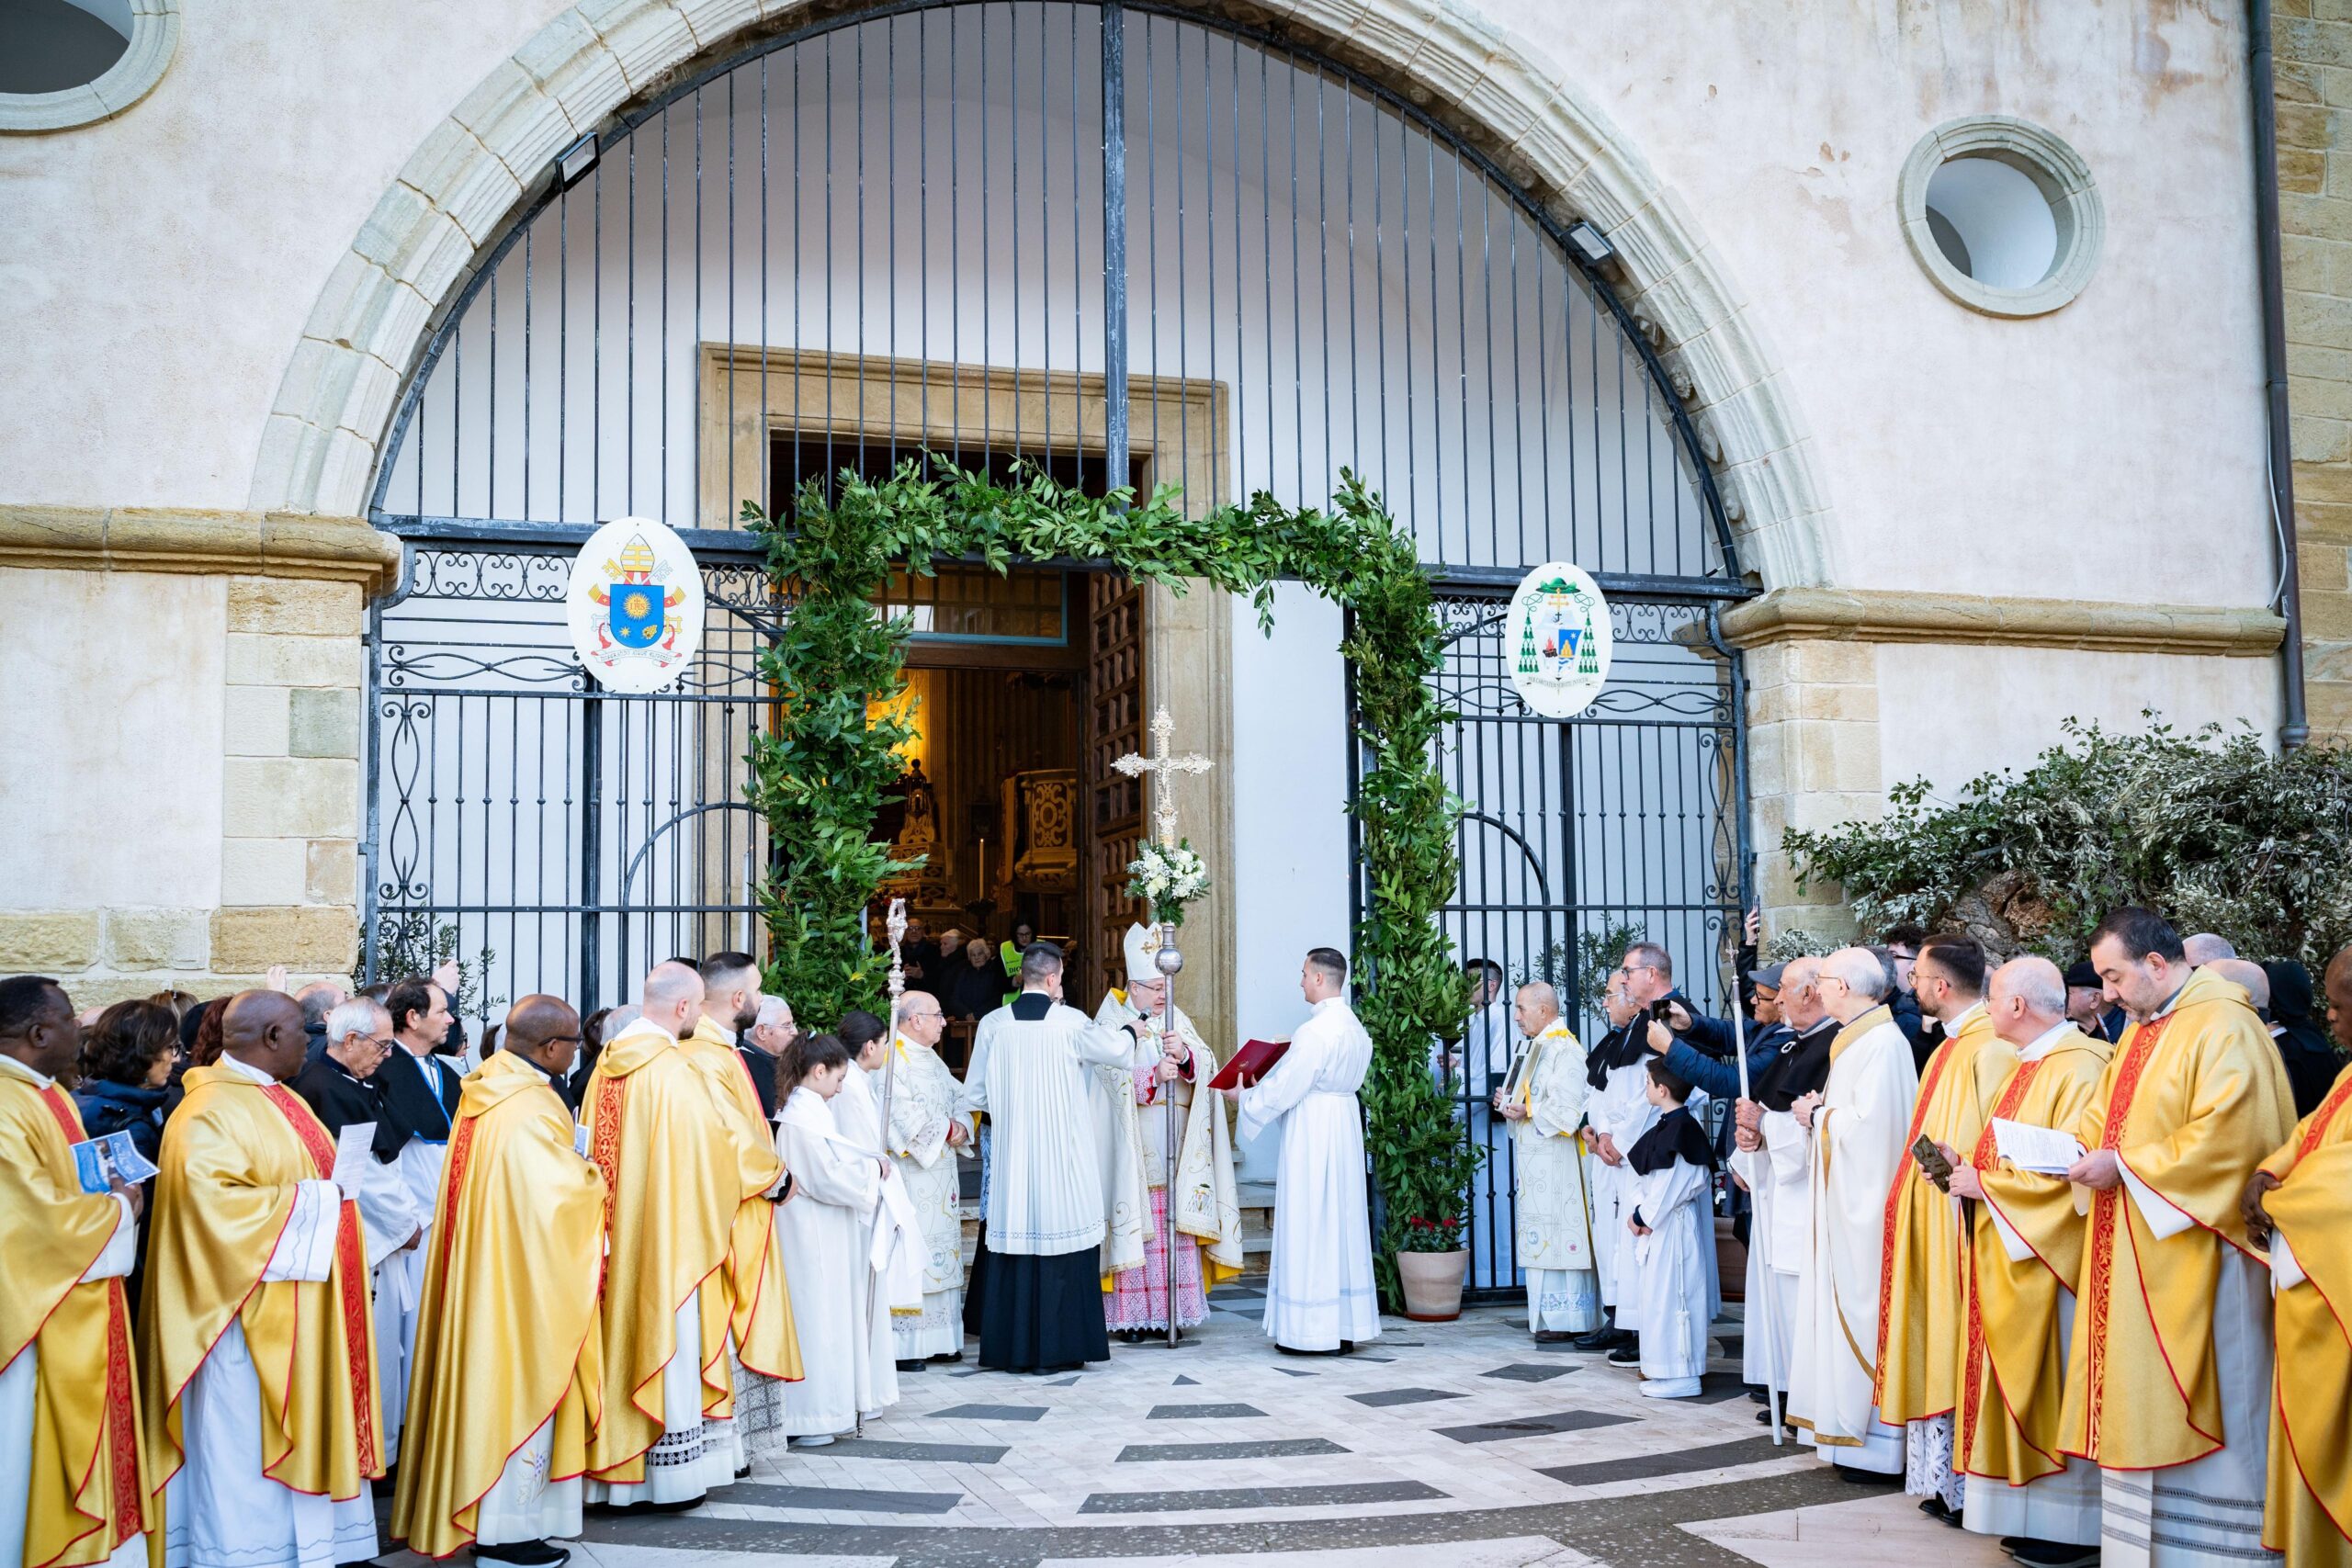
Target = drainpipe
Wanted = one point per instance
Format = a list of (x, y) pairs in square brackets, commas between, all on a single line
[(2296, 731)]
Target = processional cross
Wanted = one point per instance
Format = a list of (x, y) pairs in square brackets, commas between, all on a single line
[(1159, 765), (1165, 957)]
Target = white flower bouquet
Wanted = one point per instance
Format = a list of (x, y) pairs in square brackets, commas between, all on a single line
[(1167, 879)]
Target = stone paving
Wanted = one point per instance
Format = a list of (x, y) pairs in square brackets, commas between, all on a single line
[(1464, 1435)]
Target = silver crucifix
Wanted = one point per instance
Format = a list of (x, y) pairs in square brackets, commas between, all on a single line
[(1159, 765)]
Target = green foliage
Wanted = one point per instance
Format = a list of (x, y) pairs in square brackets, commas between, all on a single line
[(2212, 830), (821, 773)]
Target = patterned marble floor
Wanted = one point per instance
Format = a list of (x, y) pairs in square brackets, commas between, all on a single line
[(1463, 1436)]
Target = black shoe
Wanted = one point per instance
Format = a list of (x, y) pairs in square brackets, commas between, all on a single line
[(1288, 1350), (524, 1554), (911, 1366), (1939, 1510), (744, 1472), (948, 1355), (1598, 1339), (2050, 1553), (1852, 1476), (1764, 1419), (1626, 1356)]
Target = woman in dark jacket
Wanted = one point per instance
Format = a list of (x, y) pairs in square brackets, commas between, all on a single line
[(126, 1067), (2312, 1061)]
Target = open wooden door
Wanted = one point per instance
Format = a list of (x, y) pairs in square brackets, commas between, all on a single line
[(1113, 803)]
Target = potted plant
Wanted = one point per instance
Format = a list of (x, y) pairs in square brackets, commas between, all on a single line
[(1431, 1262)]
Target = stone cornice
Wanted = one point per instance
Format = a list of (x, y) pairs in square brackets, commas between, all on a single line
[(1865, 615), (178, 539)]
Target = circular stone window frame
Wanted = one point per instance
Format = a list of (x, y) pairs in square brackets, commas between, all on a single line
[(155, 40), (2056, 170)]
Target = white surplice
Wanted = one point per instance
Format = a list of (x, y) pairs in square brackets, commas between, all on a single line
[(219, 1510), (922, 1106), (1673, 1272), (1856, 1151), (526, 1502), (1045, 1185), (691, 1456), (1555, 1219), (1621, 1109), (857, 1112), (1319, 1287), (17, 1385), (1779, 1243), (822, 1229)]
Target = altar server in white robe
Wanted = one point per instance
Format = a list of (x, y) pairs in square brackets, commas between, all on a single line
[(930, 1140), (823, 1231), (858, 1112), (1618, 1112), (1041, 1306), (1319, 1291), (1858, 1122), (1673, 1229), (1772, 1157), (1542, 1101)]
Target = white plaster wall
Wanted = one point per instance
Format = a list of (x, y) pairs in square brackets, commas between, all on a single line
[(158, 267), (1949, 713), (110, 794), (1289, 876), (1960, 452)]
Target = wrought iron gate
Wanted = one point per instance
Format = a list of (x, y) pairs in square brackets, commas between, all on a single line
[(1121, 235)]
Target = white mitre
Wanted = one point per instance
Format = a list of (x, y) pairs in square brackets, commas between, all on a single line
[(1140, 953)]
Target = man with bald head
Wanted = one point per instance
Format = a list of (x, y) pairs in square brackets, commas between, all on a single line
[(2023, 1249), (1541, 1100), (676, 1181), (507, 1364), (2206, 948), (257, 1346), (70, 1481), (1855, 1124)]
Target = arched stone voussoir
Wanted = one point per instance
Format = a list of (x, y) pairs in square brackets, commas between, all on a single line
[(1501, 93)]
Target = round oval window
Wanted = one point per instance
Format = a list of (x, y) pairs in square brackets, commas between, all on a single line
[(2002, 215), (50, 46)]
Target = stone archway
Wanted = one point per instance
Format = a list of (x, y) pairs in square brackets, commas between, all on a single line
[(322, 438)]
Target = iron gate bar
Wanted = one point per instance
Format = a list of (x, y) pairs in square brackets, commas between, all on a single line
[(449, 329)]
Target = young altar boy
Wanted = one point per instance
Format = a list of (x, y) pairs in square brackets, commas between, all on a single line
[(1673, 1223)]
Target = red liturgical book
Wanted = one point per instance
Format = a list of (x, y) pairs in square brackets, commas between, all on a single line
[(1249, 1063)]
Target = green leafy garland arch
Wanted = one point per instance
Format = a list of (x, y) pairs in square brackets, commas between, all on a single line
[(825, 767)]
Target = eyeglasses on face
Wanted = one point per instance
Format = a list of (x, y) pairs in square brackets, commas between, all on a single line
[(1630, 970)]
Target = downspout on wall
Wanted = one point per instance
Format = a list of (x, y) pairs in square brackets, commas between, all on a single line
[(2295, 732)]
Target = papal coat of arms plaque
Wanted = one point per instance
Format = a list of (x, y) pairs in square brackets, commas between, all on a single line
[(635, 605), (1558, 640)]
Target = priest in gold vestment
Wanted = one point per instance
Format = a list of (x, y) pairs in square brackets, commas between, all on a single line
[(72, 1487), (508, 1370), (1922, 1319), (2024, 1253), (2170, 1366), (749, 1294), (257, 1352), (2300, 1201), (677, 1181)]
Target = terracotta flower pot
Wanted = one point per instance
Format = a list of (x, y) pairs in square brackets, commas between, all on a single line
[(1432, 1284)]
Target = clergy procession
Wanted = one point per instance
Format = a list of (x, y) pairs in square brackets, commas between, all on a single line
[(2069, 1285), (2077, 1293)]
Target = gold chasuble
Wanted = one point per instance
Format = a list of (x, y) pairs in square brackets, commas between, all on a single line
[(676, 1186), (1921, 1317), (505, 1327), (2013, 1379), (2191, 1102), (2309, 1513), (749, 1297), (232, 1156), (88, 1493)]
